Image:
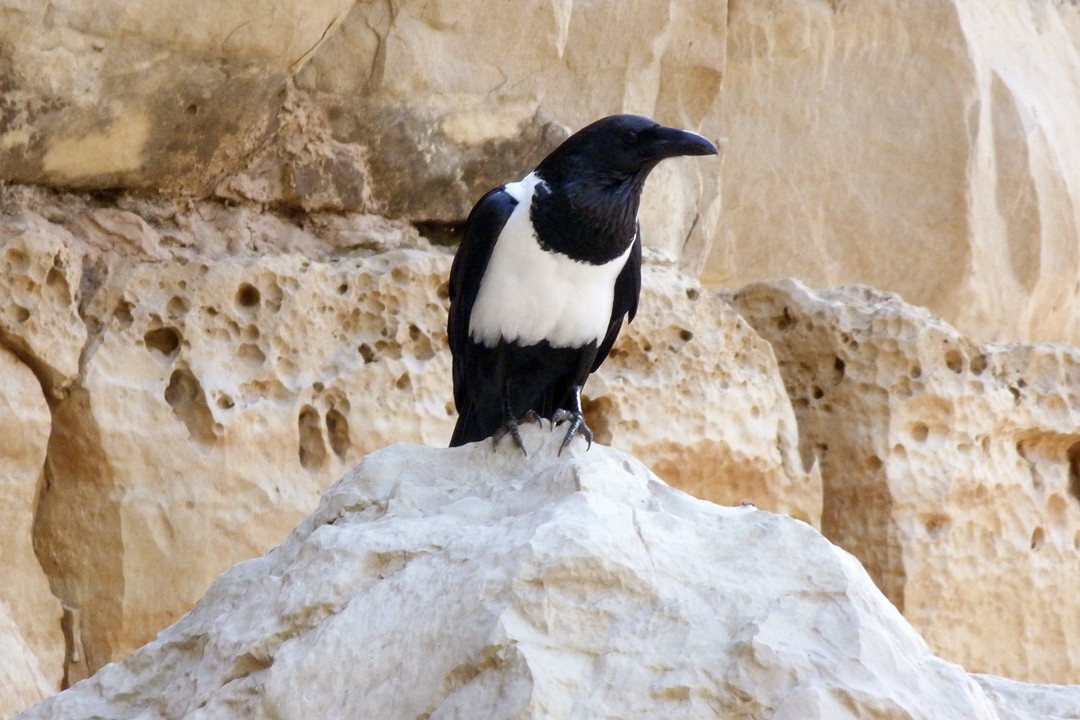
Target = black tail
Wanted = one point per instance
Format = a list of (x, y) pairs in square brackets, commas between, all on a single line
[(468, 429)]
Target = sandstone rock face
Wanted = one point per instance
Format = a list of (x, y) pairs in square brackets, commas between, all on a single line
[(694, 392), (535, 587), (22, 683), (927, 150), (403, 112), (215, 402), (227, 364), (31, 644), (449, 99), (117, 93), (39, 315), (950, 468)]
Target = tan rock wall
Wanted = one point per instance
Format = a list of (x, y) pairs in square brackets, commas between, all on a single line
[(950, 468), (412, 110), (148, 95), (920, 147), (230, 364), (434, 103), (22, 682), (692, 390), (31, 643)]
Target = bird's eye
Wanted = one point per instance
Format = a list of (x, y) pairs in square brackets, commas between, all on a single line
[(630, 137)]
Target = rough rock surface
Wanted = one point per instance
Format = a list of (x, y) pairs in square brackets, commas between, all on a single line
[(580, 586), (441, 117), (227, 365), (926, 149), (22, 683), (950, 468), (31, 644), (115, 93), (693, 391), (939, 138), (370, 107)]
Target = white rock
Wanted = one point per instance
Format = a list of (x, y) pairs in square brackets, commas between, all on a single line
[(469, 583)]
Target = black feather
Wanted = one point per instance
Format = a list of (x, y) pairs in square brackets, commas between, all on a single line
[(585, 208)]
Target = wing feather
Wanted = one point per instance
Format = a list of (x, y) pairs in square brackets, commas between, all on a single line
[(482, 229), (627, 290)]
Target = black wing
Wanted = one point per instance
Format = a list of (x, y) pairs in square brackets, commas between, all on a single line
[(627, 289), (482, 229)]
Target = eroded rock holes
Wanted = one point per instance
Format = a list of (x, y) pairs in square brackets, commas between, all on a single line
[(185, 396), (164, 341), (312, 448), (248, 296)]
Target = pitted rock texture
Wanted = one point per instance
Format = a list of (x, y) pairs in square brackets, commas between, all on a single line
[(466, 582), (231, 363), (950, 468), (218, 401), (39, 314), (693, 391), (925, 150)]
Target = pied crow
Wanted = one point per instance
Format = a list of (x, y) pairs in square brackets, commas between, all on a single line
[(548, 268)]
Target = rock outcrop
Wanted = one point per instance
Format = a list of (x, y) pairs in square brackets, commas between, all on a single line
[(358, 107), (469, 583), (225, 285), (22, 682), (120, 94), (926, 150), (31, 643), (950, 468), (211, 370)]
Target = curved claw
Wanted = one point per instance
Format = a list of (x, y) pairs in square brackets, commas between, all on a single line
[(510, 427), (577, 427)]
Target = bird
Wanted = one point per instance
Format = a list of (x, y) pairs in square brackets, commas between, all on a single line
[(547, 271)]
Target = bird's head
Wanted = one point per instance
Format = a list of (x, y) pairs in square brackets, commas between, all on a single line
[(617, 149)]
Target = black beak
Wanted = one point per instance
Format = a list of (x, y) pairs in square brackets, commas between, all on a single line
[(671, 142)]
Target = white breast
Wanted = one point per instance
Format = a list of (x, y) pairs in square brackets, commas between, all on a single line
[(529, 295)]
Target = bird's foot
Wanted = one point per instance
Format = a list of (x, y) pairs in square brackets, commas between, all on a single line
[(510, 427), (577, 427), (532, 416)]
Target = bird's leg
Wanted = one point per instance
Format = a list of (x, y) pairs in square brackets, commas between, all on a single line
[(576, 420), (510, 423)]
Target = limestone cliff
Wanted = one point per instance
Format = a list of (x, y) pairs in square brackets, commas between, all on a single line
[(204, 372), (473, 583), (951, 468), (223, 253)]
